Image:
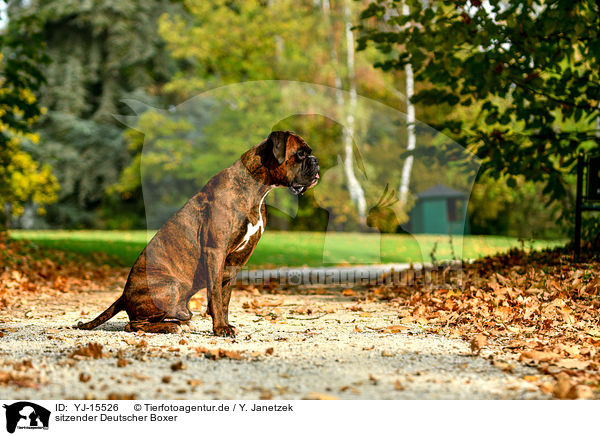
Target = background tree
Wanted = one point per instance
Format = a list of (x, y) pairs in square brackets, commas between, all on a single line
[(101, 53), (526, 69), (22, 179)]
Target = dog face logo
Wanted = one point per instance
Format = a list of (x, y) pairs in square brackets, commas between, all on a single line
[(26, 415)]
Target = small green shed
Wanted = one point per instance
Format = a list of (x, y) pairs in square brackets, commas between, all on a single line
[(440, 210)]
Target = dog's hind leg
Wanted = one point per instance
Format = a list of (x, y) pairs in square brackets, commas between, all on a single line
[(154, 327)]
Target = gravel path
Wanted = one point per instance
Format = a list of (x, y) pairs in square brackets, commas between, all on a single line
[(289, 346)]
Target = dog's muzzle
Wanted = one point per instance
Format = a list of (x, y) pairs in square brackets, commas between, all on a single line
[(312, 177)]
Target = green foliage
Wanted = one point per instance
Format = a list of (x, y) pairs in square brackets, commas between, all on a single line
[(101, 52), (22, 179), (88, 157), (518, 210), (527, 69), (221, 41)]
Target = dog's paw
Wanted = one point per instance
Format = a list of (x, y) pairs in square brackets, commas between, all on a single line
[(225, 330)]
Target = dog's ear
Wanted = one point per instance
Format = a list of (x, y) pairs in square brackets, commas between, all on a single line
[(278, 142)]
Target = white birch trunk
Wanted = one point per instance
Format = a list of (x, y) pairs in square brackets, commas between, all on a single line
[(410, 121), (357, 193)]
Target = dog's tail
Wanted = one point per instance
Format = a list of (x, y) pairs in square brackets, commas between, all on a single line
[(115, 308)]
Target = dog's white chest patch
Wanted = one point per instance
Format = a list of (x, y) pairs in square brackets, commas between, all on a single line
[(253, 228)]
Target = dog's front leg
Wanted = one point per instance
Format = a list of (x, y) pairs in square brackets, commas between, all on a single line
[(213, 260)]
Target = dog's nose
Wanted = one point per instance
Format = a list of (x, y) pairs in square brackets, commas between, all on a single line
[(315, 163)]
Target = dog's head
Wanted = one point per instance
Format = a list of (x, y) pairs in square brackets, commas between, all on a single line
[(288, 162)]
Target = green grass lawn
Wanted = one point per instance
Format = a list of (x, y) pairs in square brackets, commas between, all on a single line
[(297, 248)]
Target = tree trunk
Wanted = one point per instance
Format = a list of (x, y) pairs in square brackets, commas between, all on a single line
[(410, 128), (356, 191)]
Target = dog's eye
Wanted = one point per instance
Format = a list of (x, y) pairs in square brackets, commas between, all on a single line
[(301, 154)]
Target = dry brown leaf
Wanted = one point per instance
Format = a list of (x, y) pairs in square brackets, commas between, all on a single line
[(573, 364), (178, 366), (118, 396), (564, 387), (394, 329), (478, 342), (219, 353), (547, 387), (539, 356), (93, 350), (319, 396), (504, 366), (583, 392)]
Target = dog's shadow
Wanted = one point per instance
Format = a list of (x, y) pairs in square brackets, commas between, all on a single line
[(114, 326), (119, 326)]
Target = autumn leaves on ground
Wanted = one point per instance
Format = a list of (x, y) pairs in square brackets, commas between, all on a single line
[(532, 310)]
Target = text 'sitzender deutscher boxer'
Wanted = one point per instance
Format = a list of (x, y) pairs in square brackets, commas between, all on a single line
[(210, 239)]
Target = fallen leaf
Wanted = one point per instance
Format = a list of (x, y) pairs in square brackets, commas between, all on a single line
[(539, 356), (504, 366), (583, 392), (93, 350), (478, 342), (394, 329), (573, 364), (117, 396), (266, 395), (319, 396), (547, 387), (178, 366), (219, 353), (563, 387)]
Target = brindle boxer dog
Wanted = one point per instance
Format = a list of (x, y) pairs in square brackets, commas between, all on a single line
[(210, 239)]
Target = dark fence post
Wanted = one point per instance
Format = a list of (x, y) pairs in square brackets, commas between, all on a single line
[(578, 201)]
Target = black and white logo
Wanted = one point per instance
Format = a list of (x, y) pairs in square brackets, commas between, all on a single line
[(26, 415)]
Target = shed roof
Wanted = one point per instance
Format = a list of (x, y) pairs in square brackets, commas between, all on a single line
[(440, 191)]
